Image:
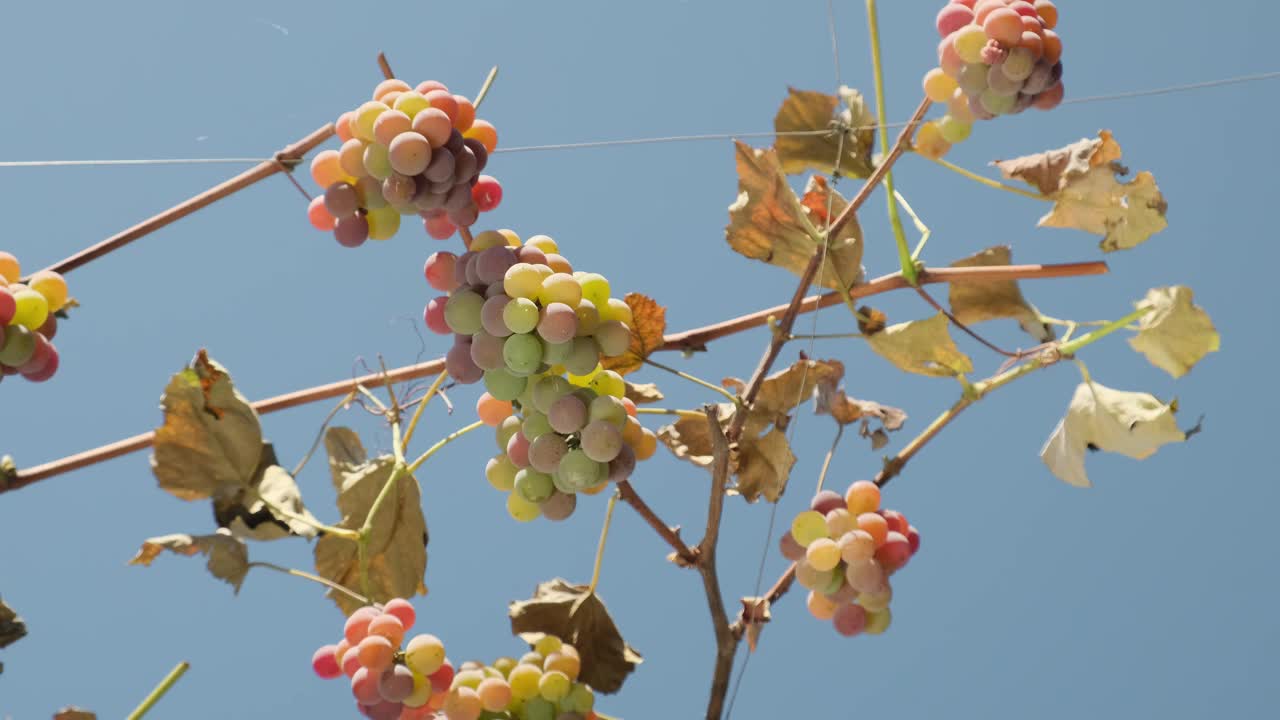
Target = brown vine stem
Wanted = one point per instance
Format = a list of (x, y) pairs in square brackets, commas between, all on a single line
[(695, 339), (283, 161), (684, 555), (726, 640)]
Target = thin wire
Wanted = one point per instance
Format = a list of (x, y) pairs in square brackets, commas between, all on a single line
[(653, 140), (147, 161)]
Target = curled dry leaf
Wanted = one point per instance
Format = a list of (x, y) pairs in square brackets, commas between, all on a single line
[(210, 446), (74, 713), (649, 324), (1177, 334), (12, 628), (923, 347), (228, 556), (975, 302), (754, 614), (642, 393), (768, 222), (762, 458), (398, 545), (1081, 179), (1129, 423), (577, 616), (831, 399), (851, 137)]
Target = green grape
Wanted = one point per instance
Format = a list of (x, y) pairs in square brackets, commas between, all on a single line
[(523, 679), (503, 385), (522, 280), (377, 162), (602, 441), (813, 579), (555, 353), (501, 473), (383, 222), (954, 131), (538, 709), (878, 622), (547, 644), (607, 408), (520, 315), (594, 288), (549, 389), (521, 352), (536, 425), (462, 313), (533, 486), (588, 318), (583, 358), (613, 338), (504, 665), (468, 679), (608, 382), (808, 526), (365, 116), (424, 654), (520, 509), (554, 685), (579, 471), (508, 427), (580, 698)]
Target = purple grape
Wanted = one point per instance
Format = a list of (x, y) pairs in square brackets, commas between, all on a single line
[(546, 450), (351, 231), (826, 501), (558, 323), (455, 143), (486, 351), (465, 167), (478, 149), (460, 366), (458, 198), (791, 549), (441, 167), (531, 255), (396, 683), (492, 263), (568, 414), (399, 189), (558, 507), (491, 314), (460, 267), (340, 200), (623, 464)]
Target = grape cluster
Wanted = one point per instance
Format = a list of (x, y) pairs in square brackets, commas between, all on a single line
[(541, 685), (534, 331), (408, 151), (27, 320), (997, 57), (845, 548), (388, 683)]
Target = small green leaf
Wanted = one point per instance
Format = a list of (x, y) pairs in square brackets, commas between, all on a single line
[(923, 347), (1129, 423), (578, 616), (1177, 334)]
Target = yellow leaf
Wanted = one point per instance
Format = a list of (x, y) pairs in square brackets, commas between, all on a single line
[(649, 323), (806, 110), (1177, 334), (764, 466), (923, 347), (975, 302), (1129, 423), (1081, 180), (769, 223)]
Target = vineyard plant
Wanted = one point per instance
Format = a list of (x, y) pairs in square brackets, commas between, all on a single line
[(664, 461)]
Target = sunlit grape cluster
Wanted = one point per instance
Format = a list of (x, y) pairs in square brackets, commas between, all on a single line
[(533, 331), (409, 151), (997, 57), (541, 685), (845, 548), (27, 320), (388, 683)]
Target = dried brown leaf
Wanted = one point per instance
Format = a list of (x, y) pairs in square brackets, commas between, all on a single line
[(871, 320), (768, 222), (579, 617), (649, 323), (1081, 178), (923, 347), (689, 437), (763, 466), (12, 628), (228, 556), (806, 110), (642, 393), (398, 545), (1177, 334), (832, 400), (975, 302), (74, 713)]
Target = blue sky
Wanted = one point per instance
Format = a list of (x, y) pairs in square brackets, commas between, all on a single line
[(1146, 596)]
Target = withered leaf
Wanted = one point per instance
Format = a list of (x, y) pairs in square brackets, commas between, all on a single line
[(398, 545), (649, 323), (756, 611), (689, 437), (641, 393), (806, 110), (12, 628), (228, 556), (74, 713), (1081, 178), (923, 347), (579, 617), (210, 446), (763, 466), (1177, 334), (832, 400), (768, 222), (975, 302), (1099, 417)]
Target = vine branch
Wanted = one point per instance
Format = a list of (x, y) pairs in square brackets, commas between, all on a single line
[(726, 641), (684, 555)]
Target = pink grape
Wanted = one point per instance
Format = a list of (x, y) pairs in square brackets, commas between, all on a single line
[(1004, 26), (492, 264), (913, 538), (409, 153), (340, 200), (351, 231), (952, 17), (486, 351), (357, 625), (518, 450), (317, 213), (460, 366), (364, 686), (434, 125), (791, 549), (826, 501), (440, 169), (396, 683), (433, 316), (568, 414), (385, 710), (438, 271), (351, 662), (40, 357), (438, 226), (325, 662), (546, 451), (399, 190), (402, 610), (376, 652), (621, 466), (558, 323), (866, 576), (895, 552), (390, 125), (601, 440), (389, 627), (849, 620), (491, 315)]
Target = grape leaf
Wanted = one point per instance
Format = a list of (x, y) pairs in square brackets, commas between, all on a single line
[(975, 302), (578, 616), (832, 400), (1101, 418), (1081, 180), (12, 628), (923, 347), (1177, 334), (761, 460), (398, 545), (210, 446), (648, 324), (74, 713), (228, 556), (641, 393), (805, 110), (768, 222)]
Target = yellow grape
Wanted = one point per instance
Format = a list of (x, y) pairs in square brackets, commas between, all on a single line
[(608, 383), (31, 309), (953, 130), (823, 553), (524, 681), (554, 685), (808, 526), (383, 223), (521, 509), (411, 103), (968, 42), (862, 496), (488, 239), (938, 86), (366, 115), (877, 601), (52, 286), (326, 168), (543, 243), (820, 606), (878, 622), (930, 143), (617, 309), (547, 644), (10, 270), (648, 445), (512, 238)]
